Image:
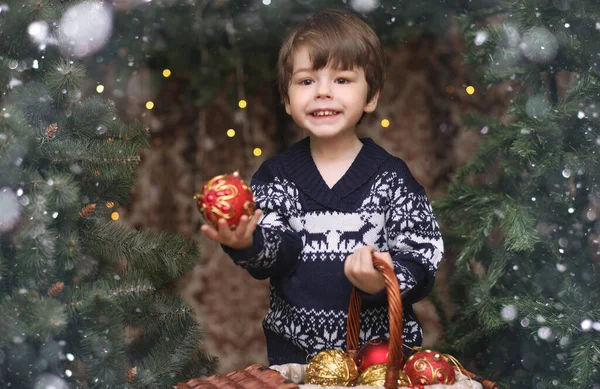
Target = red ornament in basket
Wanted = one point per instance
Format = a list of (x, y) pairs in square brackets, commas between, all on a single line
[(429, 367), (372, 353), (225, 197)]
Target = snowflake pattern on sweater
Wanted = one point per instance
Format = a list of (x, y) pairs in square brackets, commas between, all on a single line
[(307, 231)]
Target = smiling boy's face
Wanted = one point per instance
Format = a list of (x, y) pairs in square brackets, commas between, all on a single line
[(326, 102)]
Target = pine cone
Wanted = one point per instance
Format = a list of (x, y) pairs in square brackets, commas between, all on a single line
[(87, 210), (131, 374), (56, 289), (51, 130)]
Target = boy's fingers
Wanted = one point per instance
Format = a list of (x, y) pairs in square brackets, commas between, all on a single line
[(384, 256), (224, 232), (254, 222), (348, 264), (348, 268), (366, 260), (356, 265), (256, 217), (240, 230), (210, 232), (380, 254)]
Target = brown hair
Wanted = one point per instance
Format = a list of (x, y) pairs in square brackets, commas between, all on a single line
[(336, 38)]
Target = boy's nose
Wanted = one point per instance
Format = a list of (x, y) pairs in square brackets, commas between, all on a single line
[(323, 91)]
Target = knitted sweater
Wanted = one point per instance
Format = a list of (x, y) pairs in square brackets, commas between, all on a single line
[(308, 229)]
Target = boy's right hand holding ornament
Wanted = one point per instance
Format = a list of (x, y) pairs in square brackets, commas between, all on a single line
[(238, 238), (227, 204)]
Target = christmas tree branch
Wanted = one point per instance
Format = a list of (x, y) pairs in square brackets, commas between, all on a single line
[(163, 366), (161, 256)]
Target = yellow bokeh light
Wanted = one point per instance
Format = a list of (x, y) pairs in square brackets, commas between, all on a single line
[(100, 88), (149, 105), (166, 73), (385, 123), (470, 89), (231, 133), (242, 104), (110, 204), (114, 215), (257, 151)]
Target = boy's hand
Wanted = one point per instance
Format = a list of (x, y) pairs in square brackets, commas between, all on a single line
[(240, 237), (359, 269)]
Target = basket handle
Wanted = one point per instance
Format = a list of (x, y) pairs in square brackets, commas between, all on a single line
[(395, 355)]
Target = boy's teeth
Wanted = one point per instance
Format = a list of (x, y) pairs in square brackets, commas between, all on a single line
[(324, 113)]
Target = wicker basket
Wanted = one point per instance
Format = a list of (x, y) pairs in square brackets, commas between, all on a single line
[(395, 355), (292, 375), (252, 377)]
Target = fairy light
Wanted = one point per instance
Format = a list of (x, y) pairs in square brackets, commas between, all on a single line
[(149, 104), (110, 204), (242, 104), (114, 215), (449, 89), (385, 123), (470, 89), (257, 151), (100, 88), (231, 133), (166, 73)]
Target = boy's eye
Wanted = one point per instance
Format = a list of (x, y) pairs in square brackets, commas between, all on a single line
[(305, 82), (342, 80)]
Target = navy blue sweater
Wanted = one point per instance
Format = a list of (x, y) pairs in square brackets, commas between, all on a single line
[(307, 231)]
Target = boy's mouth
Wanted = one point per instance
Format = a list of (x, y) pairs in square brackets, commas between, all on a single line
[(324, 113)]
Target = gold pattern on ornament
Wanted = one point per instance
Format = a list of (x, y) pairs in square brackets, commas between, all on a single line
[(220, 187), (248, 208), (374, 375), (331, 368), (439, 375)]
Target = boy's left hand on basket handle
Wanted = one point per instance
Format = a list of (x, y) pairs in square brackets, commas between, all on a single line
[(359, 269)]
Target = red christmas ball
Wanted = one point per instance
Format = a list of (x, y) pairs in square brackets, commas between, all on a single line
[(372, 353), (429, 367), (225, 197)]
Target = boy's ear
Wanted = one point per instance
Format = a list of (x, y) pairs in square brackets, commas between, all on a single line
[(286, 101), (371, 105)]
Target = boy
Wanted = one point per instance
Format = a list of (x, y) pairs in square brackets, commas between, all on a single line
[(333, 202)]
